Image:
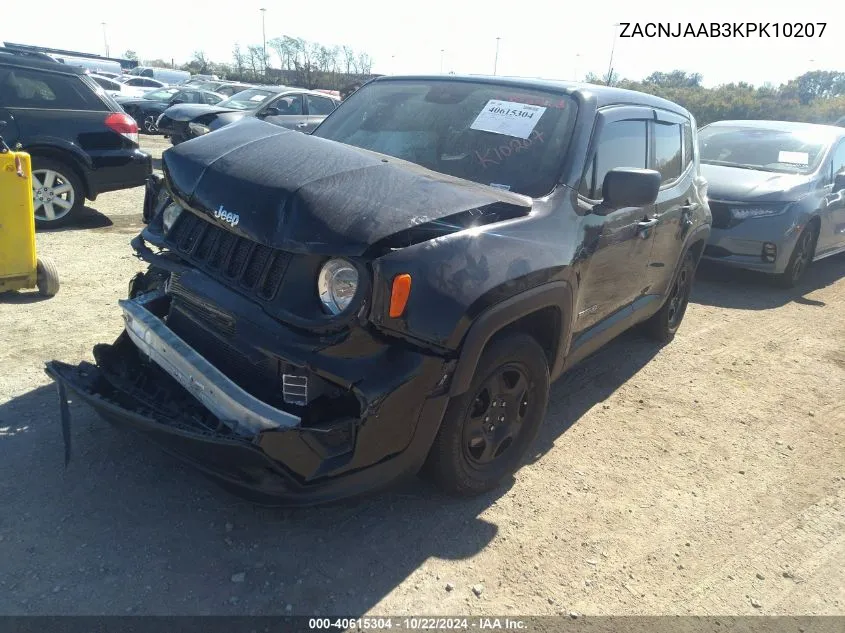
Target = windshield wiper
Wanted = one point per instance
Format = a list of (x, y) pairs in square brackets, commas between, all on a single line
[(724, 163)]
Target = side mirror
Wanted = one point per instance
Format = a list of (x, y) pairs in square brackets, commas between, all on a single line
[(839, 181), (628, 187)]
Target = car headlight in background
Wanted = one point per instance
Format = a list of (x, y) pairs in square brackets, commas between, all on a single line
[(746, 213), (198, 128), (169, 216), (337, 284)]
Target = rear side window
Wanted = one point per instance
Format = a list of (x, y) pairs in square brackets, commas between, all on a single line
[(668, 145), (23, 88), (210, 99), (320, 105), (622, 144)]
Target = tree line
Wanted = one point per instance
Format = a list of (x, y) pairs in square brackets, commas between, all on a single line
[(289, 61), (814, 97)]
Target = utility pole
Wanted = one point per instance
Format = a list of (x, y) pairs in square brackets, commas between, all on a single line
[(105, 38), (264, 41), (612, 48), (496, 59)]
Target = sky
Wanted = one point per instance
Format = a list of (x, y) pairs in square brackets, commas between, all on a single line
[(537, 38)]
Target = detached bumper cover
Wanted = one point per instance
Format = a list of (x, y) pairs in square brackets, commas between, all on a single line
[(245, 414), (151, 381)]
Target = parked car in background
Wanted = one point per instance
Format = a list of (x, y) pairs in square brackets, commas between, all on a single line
[(196, 79), (165, 75), (294, 108), (110, 75), (91, 65), (146, 109), (326, 313), (226, 88), (111, 86), (774, 194), (137, 86), (82, 143)]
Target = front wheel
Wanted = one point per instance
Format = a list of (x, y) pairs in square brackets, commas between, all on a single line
[(149, 124), (487, 431), (799, 261), (665, 323)]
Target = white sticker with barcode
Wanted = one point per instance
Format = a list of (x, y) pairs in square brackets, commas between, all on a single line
[(508, 118)]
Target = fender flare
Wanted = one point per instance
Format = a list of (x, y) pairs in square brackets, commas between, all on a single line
[(557, 294)]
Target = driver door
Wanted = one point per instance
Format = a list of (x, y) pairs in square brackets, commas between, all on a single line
[(832, 233), (285, 111)]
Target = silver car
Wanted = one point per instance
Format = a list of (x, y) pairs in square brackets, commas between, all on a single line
[(776, 192)]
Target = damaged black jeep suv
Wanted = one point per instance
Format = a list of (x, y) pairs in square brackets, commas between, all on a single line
[(325, 313)]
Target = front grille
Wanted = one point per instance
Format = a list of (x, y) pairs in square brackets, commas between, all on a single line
[(231, 259), (199, 309), (721, 213)]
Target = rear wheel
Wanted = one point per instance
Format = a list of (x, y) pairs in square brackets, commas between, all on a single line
[(47, 278), (801, 258), (487, 431), (57, 193), (665, 323)]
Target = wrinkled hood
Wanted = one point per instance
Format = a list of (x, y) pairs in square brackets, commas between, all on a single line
[(748, 185), (190, 111), (302, 193)]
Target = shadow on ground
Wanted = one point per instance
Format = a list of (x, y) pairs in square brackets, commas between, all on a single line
[(86, 218), (137, 530), (748, 290)]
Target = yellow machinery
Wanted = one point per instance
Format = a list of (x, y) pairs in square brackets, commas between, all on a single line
[(19, 267)]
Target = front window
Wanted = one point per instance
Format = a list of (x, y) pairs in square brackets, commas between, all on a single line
[(763, 149), (508, 137), (165, 94), (247, 99)]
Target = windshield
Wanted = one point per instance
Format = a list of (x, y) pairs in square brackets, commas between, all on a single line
[(506, 137), (161, 95), (790, 152), (246, 99)]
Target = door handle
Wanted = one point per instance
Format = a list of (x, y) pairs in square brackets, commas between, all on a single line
[(647, 224)]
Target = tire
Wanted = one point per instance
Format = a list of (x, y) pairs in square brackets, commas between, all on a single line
[(800, 259), (663, 325), (57, 204), (148, 124), (471, 454), (47, 277)]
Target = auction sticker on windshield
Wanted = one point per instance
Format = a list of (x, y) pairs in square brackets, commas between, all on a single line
[(508, 118), (794, 158)]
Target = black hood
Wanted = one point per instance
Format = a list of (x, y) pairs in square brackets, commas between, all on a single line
[(190, 111), (302, 193), (749, 185)]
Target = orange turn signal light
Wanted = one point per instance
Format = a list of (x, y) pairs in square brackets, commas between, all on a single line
[(399, 294)]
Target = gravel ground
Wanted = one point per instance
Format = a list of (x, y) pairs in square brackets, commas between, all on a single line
[(705, 477)]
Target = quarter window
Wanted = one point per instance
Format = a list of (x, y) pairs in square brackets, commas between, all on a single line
[(667, 150), (622, 144), (838, 160), (689, 146)]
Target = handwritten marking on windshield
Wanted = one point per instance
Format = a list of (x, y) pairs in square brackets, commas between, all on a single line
[(496, 155)]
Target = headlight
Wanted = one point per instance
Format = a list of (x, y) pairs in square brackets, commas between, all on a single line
[(745, 213), (198, 128), (169, 216), (337, 284)]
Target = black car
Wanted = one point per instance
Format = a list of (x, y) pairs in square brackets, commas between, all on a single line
[(293, 108), (146, 110), (82, 143), (325, 313)]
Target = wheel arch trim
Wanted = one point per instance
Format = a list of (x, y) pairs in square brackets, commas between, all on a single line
[(556, 294)]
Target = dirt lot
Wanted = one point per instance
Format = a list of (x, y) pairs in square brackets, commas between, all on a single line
[(707, 477)]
